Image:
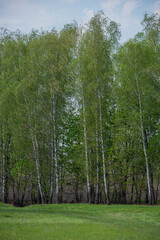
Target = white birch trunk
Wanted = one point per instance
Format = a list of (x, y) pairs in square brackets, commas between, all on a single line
[(97, 160), (144, 144), (86, 153), (55, 146), (52, 156), (36, 152), (52, 165), (103, 154)]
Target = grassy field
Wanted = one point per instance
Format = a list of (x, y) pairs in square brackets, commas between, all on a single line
[(79, 221)]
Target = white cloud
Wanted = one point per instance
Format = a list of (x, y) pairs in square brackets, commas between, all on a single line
[(156, 7), (69, 1), (129, 7), (121, 11), (26, 15), (110, 5), (88, 14), (119, 7)]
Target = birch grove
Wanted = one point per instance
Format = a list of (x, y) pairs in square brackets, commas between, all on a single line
[(79, 114)]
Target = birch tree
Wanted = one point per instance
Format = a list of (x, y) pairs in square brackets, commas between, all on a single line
[(95, 72), (136, 58)]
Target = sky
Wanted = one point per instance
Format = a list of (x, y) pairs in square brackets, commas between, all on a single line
[(26, 15)]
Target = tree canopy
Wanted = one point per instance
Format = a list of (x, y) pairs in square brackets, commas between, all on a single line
[(79, 114)]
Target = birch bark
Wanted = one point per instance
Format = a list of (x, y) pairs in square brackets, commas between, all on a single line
[(54, 158), (35, 150), (103, 153), (55, 146), (86, 153), (97, 160), (52, 165), (144, 144)]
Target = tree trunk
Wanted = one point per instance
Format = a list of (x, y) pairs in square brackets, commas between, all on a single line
[(36, 153), (77, 188), (132, 188), (51, 171), (157, 188), (97, 156), (152, 186), (13, 189), (103, 154), (35, 150), (55, 150), (86, 153), (4, 187), (144, 144), (61, 181)]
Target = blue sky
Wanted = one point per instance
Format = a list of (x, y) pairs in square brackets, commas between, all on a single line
[(34, 14)]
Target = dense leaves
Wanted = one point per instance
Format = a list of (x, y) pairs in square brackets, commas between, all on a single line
[(79, 117)]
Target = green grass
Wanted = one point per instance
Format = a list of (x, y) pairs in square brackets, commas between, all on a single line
[(79, 221)]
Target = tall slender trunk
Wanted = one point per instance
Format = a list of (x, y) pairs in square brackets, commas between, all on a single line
[(132, 188), (4, 192), (144, 144), (52, 157), (152, 187), (103, 153), (61, 177), (13, 188), (97, 161), (35, 150), (54, 147), (4, 174), (51, 170), (157, 188), (86, 153), (36, 155)]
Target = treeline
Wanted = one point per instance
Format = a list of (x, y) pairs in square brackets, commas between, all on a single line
[(80, 115)]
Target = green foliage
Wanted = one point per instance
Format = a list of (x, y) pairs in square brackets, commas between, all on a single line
[(52, 84)]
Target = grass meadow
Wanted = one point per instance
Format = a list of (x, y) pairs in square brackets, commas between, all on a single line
[(80, 222)]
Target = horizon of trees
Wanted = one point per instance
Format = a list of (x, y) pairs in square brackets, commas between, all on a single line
[(79, 114)]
